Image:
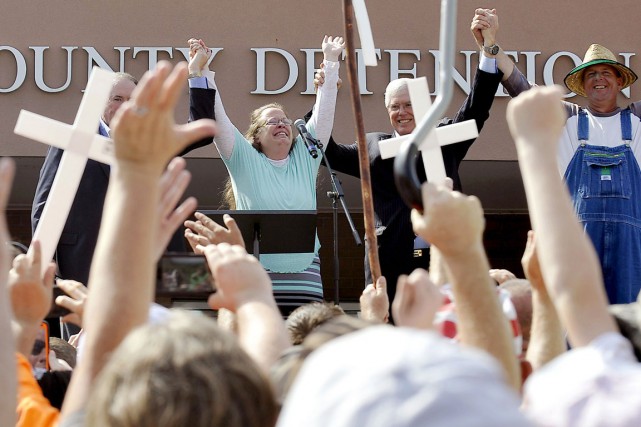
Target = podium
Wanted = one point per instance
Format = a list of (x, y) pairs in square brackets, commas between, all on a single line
[(273, 231)]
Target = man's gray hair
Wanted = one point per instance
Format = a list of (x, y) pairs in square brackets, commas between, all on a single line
[(123, 76), (394, 87)]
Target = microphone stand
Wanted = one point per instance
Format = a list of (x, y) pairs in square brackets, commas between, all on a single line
[(337, 195)]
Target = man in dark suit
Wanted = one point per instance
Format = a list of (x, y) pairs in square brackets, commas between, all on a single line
[(80, 233), (399, 250)]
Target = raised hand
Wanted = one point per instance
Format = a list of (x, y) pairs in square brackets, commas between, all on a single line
[(484, 27), (173, 184), (30, 296), (536, 118), (144, 129), (375, 302), (244, 287), (451, 221), (199, 54), (30, 293), (500, 275), (530, 263), (74, 302), (319, 78), (239, 277), (205, 231), (332, 48), (417, 300)]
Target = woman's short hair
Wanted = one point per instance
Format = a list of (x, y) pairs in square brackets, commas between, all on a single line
[(182, 372), (302, 321), (256, 122)]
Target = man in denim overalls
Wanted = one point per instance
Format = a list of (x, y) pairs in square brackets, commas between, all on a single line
[(598, 156), (603, 174)]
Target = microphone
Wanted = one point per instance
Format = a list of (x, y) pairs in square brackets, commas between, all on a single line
[(308, 139)]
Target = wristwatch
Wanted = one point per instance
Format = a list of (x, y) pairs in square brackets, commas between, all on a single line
[(491, 50)]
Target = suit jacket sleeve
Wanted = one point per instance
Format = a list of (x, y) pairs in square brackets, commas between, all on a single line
[(201, 106), (47, 174), (476, 107), (342, 158)]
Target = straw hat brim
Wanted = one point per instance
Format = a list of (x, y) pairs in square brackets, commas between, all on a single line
[(574, 79)]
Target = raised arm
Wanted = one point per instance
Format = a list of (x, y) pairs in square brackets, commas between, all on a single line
[(342, 158), (205, 101), (476, 107), (123, 269), (172, 186), (199, 58), (416, 301), (375, 302), (454, 223), (569, 265), (245, 289), (547, 339), (205, 231), (322, 119), (30, 300), (484, 27), (7, 349), (30, 296)]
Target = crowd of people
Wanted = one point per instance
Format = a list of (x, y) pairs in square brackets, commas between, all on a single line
[(545, 350)]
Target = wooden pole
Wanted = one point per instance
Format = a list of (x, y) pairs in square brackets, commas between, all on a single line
[(366, 181)]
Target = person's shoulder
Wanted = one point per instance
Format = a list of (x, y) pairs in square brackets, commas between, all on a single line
[(571, 109), (635, 108), (372, 139), (377, 136)]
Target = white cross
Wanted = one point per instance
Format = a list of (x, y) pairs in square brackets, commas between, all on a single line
[(80, 142), (431, 146), (365, 33)]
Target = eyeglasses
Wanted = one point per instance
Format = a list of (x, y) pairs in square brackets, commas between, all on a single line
[(276, 122)]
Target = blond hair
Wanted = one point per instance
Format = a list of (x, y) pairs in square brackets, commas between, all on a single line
[(185, 371), (302, 321), (256, 122)]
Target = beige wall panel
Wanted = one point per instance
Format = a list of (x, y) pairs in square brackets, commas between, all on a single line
[(238, 26)]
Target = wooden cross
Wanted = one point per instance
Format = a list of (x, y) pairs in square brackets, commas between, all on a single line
[(431, 146), (80, 142)]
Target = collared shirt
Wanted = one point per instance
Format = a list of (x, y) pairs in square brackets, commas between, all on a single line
[(595, 385)]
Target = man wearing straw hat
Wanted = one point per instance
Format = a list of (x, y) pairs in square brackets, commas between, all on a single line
[(598, 156)]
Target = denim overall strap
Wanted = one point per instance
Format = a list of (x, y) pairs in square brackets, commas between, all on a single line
[(605, 187), (626, 126), (583, 132)]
